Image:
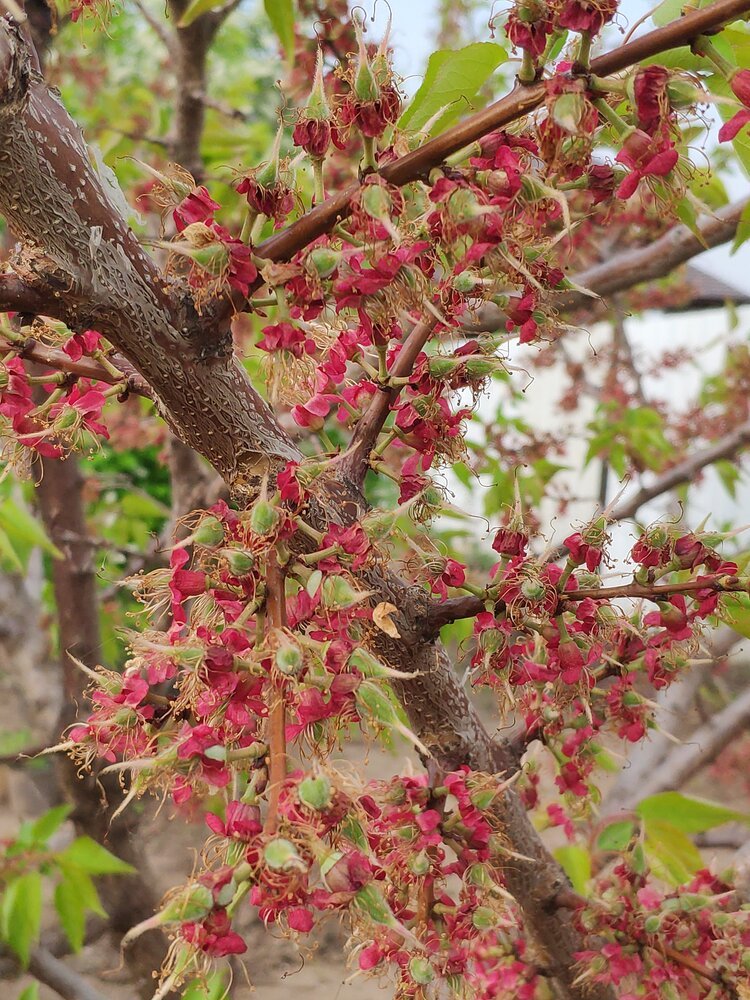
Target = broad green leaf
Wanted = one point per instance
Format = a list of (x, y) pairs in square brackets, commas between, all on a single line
[(743, 229), (9, 558), (42, 829), (616, 836), (22, 914), (71, 911), (30, 993), (687, 814), (90, 857), (214, 988), (671, 853), (281, 15), (576, 863), (734, 611), (196, 8), (452, 81), (23, 530), (14, 741)]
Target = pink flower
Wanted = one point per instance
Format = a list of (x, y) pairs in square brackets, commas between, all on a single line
[(198, 206), (214, 935), (645, 156), (740, 84)]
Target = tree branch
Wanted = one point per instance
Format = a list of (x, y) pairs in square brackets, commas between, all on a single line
[(354, 462), (59, 977), (52, 357), (701, 748), (634, 267), (523, 99), (684, 472)]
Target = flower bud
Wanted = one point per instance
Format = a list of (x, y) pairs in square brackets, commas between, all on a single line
[(264, 518), (421, 971), (289, 659), (210, 532), (193, 903), (239, 561), (465, 282), (281, 855), (479, 367), (338, 593), (324, 261), (420, 863), (483, 918), (532, 590), (440, 367), (316, 793)]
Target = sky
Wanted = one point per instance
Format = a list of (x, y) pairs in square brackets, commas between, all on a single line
[(413, 31)]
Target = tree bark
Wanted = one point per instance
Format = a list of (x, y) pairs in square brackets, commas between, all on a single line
[(81, 254)]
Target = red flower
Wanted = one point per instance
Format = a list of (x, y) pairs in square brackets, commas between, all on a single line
[(198, 206), (509, 542), (740, 84), (242, 821), (214, 935), (645, 156), (586, 15)]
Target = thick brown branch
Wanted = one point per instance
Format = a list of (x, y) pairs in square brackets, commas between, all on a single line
[(684, 472), (52, 357), (354, 463), (519, 102), (469, 606), (17, 296), (701, 748), (633, 267), (64, 981)]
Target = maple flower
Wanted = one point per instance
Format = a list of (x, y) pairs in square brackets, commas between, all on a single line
[(214, 935), (645, 156), (586, 15), (198, 206), (740, 84)]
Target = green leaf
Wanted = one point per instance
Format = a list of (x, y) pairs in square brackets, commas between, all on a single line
[(687, 814), (576, 863), (214, 988), (43, 828), (90, 857), (281, 15), (30, 993), (71, 911), (23, 531), (671, 854), (22, 914), (616, 836), (734, 611), (196, 8), (743, 229), (452, 81)]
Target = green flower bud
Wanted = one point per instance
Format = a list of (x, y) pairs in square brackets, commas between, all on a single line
[(281, 855), (440, 367), (465, 282), (264, 517), (483, 918), (210, 532), (239, 561), (421, 971), (193, 903), (480, 367), (420, 863), (338, 593), (324, 261), (532, 590), (289, 659), (316, 793)]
